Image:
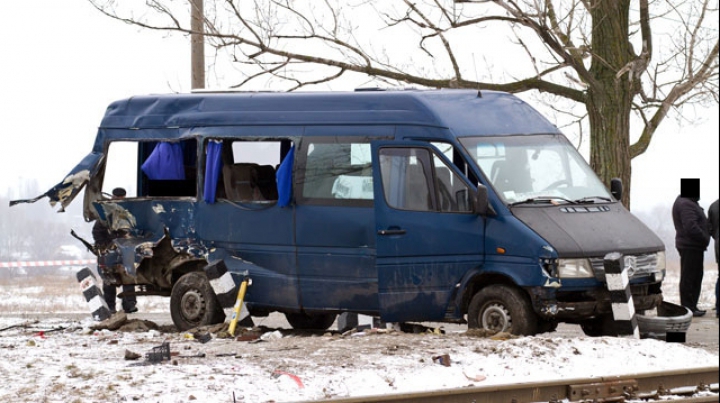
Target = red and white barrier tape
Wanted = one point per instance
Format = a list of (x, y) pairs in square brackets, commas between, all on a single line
[(49, 263)]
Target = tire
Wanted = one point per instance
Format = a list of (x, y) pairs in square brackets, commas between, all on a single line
[(599, 326), (304, 321), (500, 308), (193, 302)]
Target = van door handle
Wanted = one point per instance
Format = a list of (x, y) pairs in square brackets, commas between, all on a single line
[(392, 231)]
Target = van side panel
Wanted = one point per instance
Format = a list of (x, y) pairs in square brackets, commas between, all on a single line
[(335, 220), (336, 258), (261, 236)]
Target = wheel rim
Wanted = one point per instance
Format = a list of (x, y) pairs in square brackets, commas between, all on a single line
[(496, 318), (192, 305)]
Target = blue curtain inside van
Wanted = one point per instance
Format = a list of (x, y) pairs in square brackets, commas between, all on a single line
[(284, 179), (213, 164), (165, 162)]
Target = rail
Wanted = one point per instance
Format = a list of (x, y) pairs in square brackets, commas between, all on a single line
[(640, 386)]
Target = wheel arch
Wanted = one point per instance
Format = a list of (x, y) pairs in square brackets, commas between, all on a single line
[(186, 267), (480, 280)]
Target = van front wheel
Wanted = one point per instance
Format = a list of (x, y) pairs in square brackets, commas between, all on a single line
[(193, 302), (500, 308)]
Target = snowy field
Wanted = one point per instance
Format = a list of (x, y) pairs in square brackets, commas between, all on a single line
[(62, 360)]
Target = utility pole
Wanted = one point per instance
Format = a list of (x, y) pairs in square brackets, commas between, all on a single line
[(197, 45)]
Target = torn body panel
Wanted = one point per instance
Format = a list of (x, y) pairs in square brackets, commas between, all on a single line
[(66, 191), (159, 242)]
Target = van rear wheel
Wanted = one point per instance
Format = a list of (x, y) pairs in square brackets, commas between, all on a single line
[(500, 308), (304, 321), (193, 302)]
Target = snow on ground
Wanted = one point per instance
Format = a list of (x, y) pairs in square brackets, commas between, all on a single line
[(80, 365), (62, 360)]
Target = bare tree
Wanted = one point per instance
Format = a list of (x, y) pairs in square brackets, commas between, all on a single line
[(618, 64)]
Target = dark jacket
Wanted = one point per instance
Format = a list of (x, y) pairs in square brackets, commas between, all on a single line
[(691, 225), (713, 216)]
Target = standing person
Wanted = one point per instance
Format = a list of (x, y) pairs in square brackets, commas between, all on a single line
[(103, 237), (691, 240), (713, 217)]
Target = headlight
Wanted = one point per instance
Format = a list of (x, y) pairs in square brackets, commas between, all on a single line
[(574, 268)]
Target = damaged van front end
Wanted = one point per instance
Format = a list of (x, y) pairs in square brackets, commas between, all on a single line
[(150, 251)]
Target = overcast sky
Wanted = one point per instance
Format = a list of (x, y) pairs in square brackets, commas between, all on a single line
[(64, 62)]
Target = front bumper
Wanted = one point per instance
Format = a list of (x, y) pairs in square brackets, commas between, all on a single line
[(576, 306)]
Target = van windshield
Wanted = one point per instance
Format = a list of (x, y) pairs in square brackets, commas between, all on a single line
[(536, 168)]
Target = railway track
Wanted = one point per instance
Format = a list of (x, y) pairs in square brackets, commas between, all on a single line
[(643, 387)]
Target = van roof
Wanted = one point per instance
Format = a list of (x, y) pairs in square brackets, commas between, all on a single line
[(465, 112)]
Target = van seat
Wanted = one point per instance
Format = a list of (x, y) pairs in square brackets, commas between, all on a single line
[(417, 192), (266, 182), (240, 181)]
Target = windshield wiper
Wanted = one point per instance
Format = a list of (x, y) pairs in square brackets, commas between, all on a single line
[(591, 199), (542, 199)]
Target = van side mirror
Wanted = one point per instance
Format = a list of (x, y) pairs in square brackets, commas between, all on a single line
[(481, 200), (616, 188)]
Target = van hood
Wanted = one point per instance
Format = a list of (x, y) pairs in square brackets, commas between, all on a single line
[(589, 230), (65, 191)]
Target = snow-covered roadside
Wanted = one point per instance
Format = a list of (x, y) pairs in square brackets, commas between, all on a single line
[(79, 365)]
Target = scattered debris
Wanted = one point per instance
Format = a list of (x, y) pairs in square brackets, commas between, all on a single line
[(271, 336), (131, 356), (442, 360), (202, 337), (159, 353), (475, 378), (416, 329), (198, 355), (277, 373), (25, 324), (503, 336), (247, 335), (137, 325), (114, 322)]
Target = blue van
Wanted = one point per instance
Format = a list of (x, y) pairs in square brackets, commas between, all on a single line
[(440, 205)]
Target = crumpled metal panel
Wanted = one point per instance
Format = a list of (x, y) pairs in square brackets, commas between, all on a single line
[(65, 191), (147, 223)]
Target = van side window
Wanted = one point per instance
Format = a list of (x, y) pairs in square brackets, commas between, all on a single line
[(121, 168), (152, 168), (336, 171), (168, 168), (249, 169), (452, 154), (417, 179)]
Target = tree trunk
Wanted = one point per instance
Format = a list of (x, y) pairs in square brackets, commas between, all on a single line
[(609, 98)]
